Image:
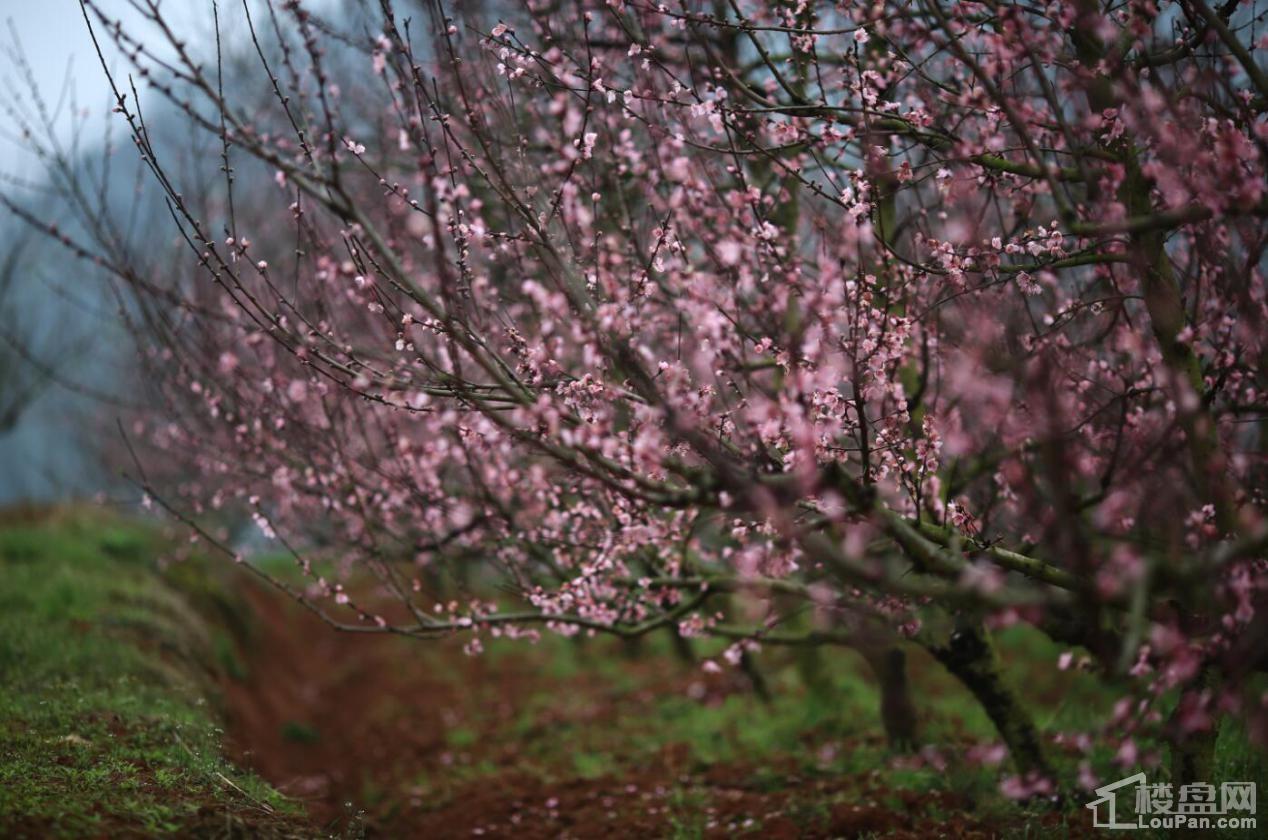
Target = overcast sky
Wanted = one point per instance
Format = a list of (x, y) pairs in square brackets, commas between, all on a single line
[(56, 43), (48, 455)]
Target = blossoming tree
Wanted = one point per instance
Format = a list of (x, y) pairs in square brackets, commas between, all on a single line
[(890, 323)]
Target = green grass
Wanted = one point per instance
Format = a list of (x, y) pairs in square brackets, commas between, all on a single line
[(108, 720), (820, 740)]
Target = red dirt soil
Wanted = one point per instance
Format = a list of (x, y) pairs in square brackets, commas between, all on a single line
[(357, 727)]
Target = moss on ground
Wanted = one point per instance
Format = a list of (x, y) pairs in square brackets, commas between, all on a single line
[(108, 718)]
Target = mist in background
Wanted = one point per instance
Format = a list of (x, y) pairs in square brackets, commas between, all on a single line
[(63, 354), (67, 366)]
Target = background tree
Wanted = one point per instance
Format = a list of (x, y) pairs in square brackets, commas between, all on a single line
[(21, 383)]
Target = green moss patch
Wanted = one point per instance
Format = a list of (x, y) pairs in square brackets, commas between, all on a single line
[(108, 717)]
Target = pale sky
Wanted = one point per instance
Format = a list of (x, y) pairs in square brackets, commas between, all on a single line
[(48, 454), (55, 39)]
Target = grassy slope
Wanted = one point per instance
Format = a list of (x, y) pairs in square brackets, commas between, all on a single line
[(107, 714)]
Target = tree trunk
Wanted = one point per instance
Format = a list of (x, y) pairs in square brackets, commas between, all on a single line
[(971, 656), (748, 664), (898, 712), (683, 648), (1192, 761), (1193, 757), (1193, 753), (813, 672)]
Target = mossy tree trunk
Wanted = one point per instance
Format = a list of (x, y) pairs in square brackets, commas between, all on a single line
[(971, 656)]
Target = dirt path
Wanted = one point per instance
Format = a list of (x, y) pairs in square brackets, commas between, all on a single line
[(361, 729), (405, 739), (335, 719)]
